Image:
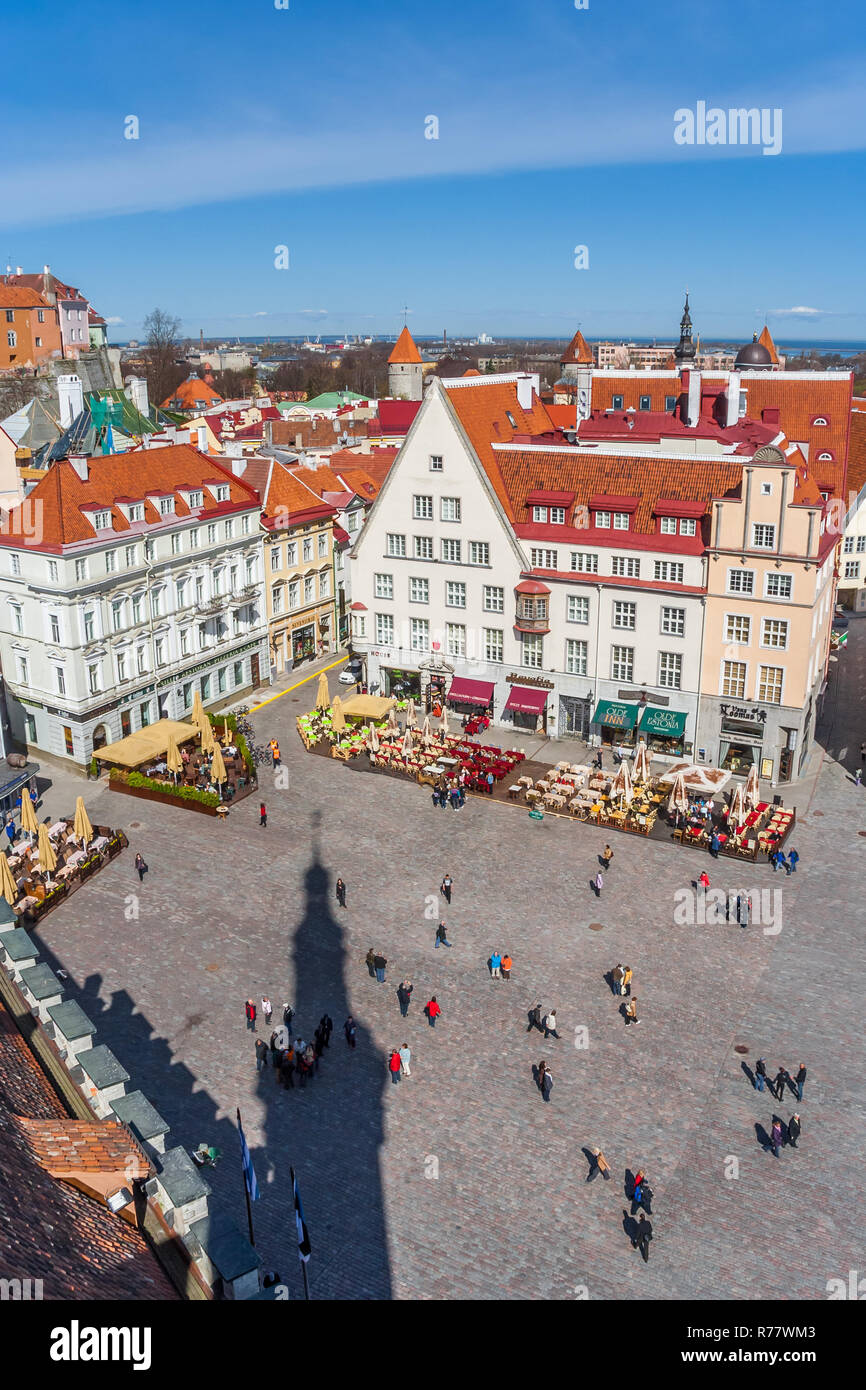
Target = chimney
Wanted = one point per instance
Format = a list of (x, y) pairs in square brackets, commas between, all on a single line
[(46, 270), (202, 438), (80, 463), (137, 391), (19, 270), (525, 385), (770, 415), (732, 414), (71, 399), (692, 392)]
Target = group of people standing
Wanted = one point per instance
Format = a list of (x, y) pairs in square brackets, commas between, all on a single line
[(290, 1057), (777, 1085)]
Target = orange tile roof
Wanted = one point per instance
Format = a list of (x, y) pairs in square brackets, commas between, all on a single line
[(62, 494), (799, 402), (65, 1146), (375, 467), (288, 500), (564, 417), (404, 350), (766, 340), (483, 412), (190, 393), (631, 387), (578, 350), (19, 297), (857, 451)]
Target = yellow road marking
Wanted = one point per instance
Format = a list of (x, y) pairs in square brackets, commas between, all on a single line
[(314, 676)]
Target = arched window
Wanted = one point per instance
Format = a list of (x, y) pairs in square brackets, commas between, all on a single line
[(820, 420)]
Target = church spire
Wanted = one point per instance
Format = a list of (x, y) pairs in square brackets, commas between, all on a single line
[(685, 350)]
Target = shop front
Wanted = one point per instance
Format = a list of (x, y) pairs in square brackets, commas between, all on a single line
[(615, 720), (304, 643), (470, 697), (401, 683), (527, 706), (741, 743), (574, 716), (663, 730)]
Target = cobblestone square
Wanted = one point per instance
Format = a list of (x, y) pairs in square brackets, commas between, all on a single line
[(459, 1182)]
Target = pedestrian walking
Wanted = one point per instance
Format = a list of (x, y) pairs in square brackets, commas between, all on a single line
[(250, 1010), (534, 1017), (793, 860), (371, 963), (379, 963), (341, 892), (495, 965), (599, 1165), (627, 976), (263, 813), (404, 995), (545, 1081), (643, 1236), (744, 909), (607, 856), (432, 1010), (261, 1054), (775, 859), (275, 753), (800, 1080), (631, 1011), (779, 1083), (326, 1023), (782, 861), (445, 888), (760, 1074), (507, 963), (794, 1130), (598, 884), (141, 868), (442, 937), (394, 1067), (550, 1026), (288, 1017), (350, 1030), (405, 1059), (704, 880), (776, 1137), (267, 1010)]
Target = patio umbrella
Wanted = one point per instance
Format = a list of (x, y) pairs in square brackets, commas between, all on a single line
[(641, 763), (81, 827), (217, 766), (737, 809), (174, 761), (444, 728), (426, 732), (323, 699), (392, 718), (8, 886), (197, 707), (28, 815), (208, 743), (622, 784), (338, 718), (47, 857), (411, 720), (753, 790), (374, 737), (227, 734), (698, 778), (407, 743), (679, 798)]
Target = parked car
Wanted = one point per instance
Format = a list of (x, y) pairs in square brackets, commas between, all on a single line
[(350, 675)]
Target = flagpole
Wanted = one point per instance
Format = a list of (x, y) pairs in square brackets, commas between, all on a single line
[(247, 1192), (303, 1262)]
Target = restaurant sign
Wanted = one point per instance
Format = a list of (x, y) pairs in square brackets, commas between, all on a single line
[(664, 723), (743, 712), (615, 714), (538, 681)]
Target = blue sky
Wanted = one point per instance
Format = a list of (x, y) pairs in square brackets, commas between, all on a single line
[(305, 127)]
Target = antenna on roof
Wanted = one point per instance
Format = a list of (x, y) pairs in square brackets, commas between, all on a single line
[(405, 313)]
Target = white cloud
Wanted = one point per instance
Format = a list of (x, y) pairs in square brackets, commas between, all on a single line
[(801, 311), (114, 319)]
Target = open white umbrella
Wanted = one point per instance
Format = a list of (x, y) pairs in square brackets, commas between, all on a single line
[(679, 798), (622, 784), (753, 790), (641, 763)]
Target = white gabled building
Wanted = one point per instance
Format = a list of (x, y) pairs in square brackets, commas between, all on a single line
[(129, 582)]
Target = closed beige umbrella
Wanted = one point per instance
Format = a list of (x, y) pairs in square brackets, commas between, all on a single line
[(411, 719), (197, 707), (208, 742), (407, 743), (28, 815), (753, 787), (8, 887), (47, 857), (173, 760), (444, 728), (227, 734), (81, 827), (374, 738), (338, 718), (679, 799), (426, 732), (392, 718), (737, 809), (323, 699), (622, 785), (217, 766), (641, 763)]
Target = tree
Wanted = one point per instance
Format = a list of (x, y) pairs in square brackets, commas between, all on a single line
[(161, 332)]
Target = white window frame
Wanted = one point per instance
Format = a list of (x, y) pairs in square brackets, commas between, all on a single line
[(672, 627), (736, 587), (576, 656), (422, 507), (419, 589)]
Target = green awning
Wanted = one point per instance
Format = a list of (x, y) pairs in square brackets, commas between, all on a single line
[(615, 714), (662, 723)]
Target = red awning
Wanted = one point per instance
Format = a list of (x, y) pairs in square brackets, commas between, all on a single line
[(526, 699), (466, 692)]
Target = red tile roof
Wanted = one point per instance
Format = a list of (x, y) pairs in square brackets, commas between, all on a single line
[(578, 350), (190, 393), (483, 411), (766, 340), (857, 448), (395, 417), (564, 417), (20, 297), (289, 502), (63, 496), (65, 1147), (404, 350)]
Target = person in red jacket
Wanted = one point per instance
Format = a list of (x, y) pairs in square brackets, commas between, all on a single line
[(394, 1067), (432, 1011), (250, 1011)]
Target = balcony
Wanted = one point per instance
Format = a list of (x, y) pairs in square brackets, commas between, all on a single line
[(535, 624), (532, 607), (211, 607)]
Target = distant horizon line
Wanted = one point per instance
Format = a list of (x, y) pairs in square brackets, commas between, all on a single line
[(464, 340)]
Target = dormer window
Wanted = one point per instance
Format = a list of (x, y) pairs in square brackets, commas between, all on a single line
[(166, 506), (820, 420), (644, 403), (221, 492), (826, 457), (136, 511), (620, 521), (602, 519), (668, 526), (616, 403), (539, 514), (196, 498), (557, 516), (102, 520)]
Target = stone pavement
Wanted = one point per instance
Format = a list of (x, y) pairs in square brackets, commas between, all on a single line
[(460, 1182)]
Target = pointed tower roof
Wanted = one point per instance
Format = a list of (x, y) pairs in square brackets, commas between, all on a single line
[(766, 340), (685, 349), (404, 350), (577, 351)]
